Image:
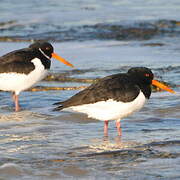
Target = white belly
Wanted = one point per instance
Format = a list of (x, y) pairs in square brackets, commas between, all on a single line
[(18, 82), (111, 110)]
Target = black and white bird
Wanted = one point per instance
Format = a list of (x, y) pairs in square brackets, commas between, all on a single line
[(21, 69), (114, 97)]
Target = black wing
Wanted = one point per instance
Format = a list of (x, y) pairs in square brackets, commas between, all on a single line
[(118, 87), (17, 61)]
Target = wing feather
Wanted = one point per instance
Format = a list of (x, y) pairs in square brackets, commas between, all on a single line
[(17, 61), (118, 87)]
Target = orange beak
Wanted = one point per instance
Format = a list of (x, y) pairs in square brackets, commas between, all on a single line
[(162, 86), (56, 56)]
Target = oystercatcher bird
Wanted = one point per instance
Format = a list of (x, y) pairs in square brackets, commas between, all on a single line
[(21, 69), (114, 97)]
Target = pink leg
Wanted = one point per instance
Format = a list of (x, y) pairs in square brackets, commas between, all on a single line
[(105, 128), (118, 125), (16, 101), (13, 96)]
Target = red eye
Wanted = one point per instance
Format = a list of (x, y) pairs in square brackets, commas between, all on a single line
[(147, 75)]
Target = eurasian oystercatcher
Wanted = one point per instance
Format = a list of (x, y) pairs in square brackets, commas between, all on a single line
[(114, 97), (21, 69)]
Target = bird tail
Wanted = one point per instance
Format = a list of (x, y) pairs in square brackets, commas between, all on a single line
[(59, 108), (57, 103)]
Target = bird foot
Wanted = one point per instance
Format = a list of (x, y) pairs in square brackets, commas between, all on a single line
[(17, 108)]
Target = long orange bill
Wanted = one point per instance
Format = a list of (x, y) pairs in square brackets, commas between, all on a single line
[(56, 56), (162, 86)]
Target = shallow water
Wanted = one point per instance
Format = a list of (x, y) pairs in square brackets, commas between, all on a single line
[(38, 143), (43, 144)]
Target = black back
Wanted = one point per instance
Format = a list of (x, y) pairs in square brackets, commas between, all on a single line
[(19, 61), (124, 87)]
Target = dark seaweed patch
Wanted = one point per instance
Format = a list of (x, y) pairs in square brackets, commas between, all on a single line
[(14, 31)]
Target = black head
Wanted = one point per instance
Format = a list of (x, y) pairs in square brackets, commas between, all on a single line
[(43, 47), (46, 51), (144, 77), (141, 75)]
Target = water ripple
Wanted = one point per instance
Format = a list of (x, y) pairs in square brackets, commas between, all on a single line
[(16, 31)]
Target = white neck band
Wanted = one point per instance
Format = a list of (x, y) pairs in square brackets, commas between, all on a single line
[(44, 54)]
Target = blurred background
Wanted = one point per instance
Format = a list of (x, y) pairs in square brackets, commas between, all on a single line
[(100, 37)]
